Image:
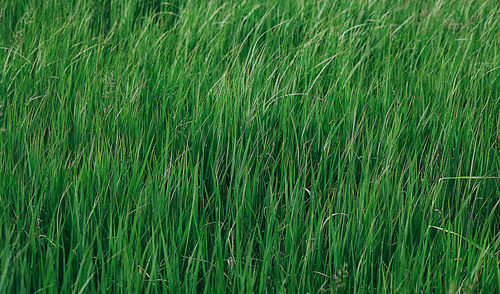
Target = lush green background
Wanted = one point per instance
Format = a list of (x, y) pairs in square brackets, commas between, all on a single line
[(249, 146)]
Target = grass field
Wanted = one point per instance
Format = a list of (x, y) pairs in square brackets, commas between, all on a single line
[(250, 146)]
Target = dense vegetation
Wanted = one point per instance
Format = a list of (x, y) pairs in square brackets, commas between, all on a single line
[(249, 146)]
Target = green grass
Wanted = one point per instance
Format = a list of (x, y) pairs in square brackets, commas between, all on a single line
[(250, 146)]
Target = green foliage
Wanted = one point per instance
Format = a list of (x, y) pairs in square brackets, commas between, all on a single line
[(249, 146)]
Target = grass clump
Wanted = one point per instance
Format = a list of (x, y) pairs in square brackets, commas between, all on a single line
[(249, 146)]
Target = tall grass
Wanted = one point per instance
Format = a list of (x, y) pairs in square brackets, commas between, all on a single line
[(249, 146)]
